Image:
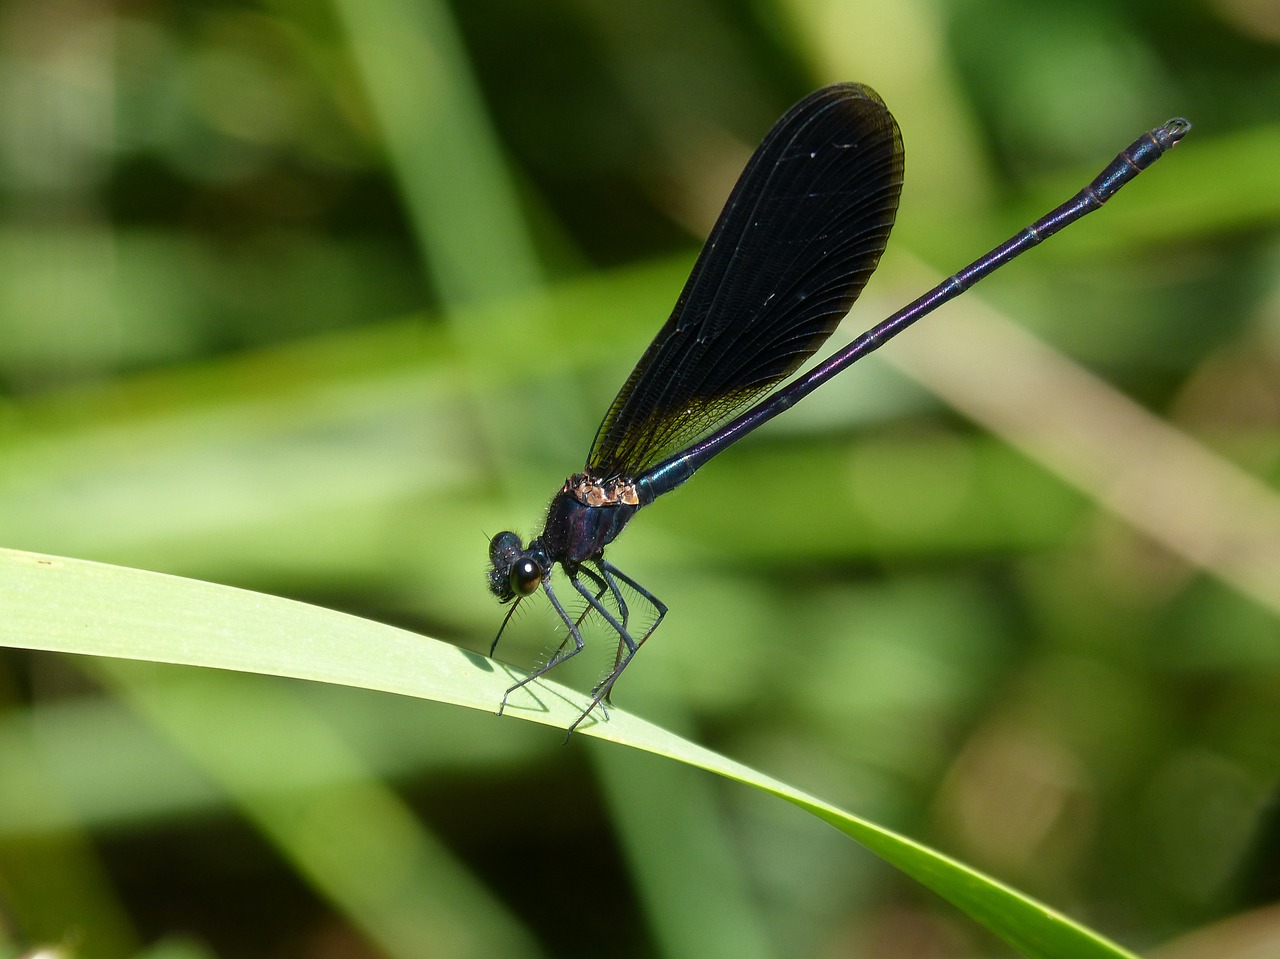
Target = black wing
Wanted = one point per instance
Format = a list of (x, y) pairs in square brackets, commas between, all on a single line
[(795, 244)]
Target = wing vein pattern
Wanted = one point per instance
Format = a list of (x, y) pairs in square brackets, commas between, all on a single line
[(797, 241)]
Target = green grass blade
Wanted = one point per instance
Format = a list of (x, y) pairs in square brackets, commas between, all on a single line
[(458, 191), (314, 797), (74, 606)]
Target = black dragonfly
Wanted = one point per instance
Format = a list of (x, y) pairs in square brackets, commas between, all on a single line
[(793, 248)]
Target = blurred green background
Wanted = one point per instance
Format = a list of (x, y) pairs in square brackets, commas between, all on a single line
[(312, 298)]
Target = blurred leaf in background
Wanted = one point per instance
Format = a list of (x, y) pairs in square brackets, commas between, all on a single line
[(310, 297)]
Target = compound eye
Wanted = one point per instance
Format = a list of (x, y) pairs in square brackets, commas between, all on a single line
[(525, 576), (502, 547)]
